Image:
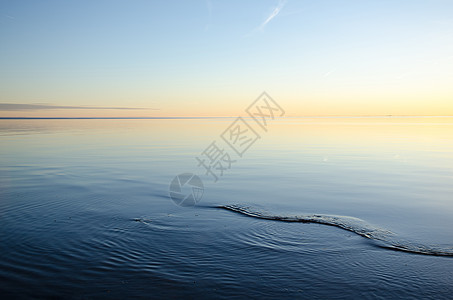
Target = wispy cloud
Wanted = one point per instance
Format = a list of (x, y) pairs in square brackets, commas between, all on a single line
[(20, 106), (5, 18), (329, 73), (273, 14), (275, 11)]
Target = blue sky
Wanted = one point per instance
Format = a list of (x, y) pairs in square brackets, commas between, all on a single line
[(214, 57)]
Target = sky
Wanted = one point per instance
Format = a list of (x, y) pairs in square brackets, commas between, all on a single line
[(213, 58)]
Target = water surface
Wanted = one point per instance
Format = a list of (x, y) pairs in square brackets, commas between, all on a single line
[(85, 212)]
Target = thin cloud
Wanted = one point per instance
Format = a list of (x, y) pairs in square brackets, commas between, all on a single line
[(275, 11), (273, 14), (329, 73), (21, 106)]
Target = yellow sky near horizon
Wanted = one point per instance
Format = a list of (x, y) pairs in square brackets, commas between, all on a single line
[(351, 103)]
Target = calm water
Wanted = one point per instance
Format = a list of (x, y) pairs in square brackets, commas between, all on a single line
[(85, 211)]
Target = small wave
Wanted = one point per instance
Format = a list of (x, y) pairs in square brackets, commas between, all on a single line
[(382, 238), (142, 220)]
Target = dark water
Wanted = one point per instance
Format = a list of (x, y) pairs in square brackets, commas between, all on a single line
[(85, 212)]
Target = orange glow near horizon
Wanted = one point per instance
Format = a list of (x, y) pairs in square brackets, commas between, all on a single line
[(316, 106)]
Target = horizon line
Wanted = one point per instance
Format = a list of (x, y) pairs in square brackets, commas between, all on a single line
[(222, 117)]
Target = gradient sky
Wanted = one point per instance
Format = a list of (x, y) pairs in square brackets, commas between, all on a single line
[(213, 58)]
